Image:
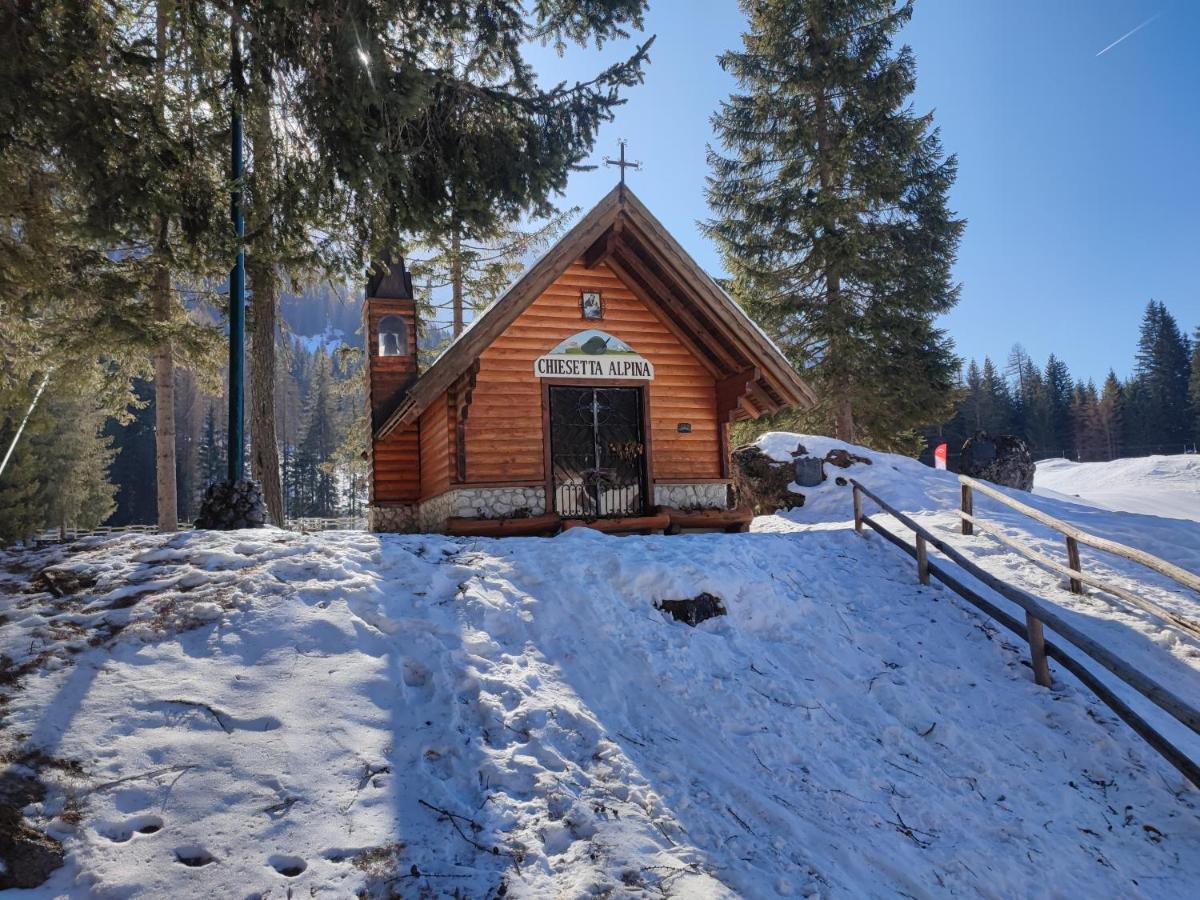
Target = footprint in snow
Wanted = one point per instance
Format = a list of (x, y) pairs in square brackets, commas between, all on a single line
[(194, 856), (287, 866), (418, 677), (120, 833)]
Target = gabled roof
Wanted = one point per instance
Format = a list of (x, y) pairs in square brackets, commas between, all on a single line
[(751, 371)]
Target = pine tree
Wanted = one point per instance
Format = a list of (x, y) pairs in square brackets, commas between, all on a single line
[(1024, 379), (1110, 415), (1059, 396), (398, 118), (315, 485), (1088, 440), (830, 212), (1194, 388), (975, 401), (998, 413), (117, 110), (467, 272), (1162, 373), (210, 455), (59, 474)]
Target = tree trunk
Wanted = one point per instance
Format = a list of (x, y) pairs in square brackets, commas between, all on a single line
[(164, 405), (843, 428), (263, 278), (456, 281), (164, 359)]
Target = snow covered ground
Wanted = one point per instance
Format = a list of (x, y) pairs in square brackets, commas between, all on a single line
[(1155, 485), (269, 714)]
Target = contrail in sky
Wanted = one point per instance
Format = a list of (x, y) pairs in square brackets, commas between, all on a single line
[(1129, 34)]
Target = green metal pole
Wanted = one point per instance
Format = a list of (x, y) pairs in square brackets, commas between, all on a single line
[(237, 277)]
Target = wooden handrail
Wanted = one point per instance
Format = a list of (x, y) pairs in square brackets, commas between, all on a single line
[(1143, 684), (1149, 560), (1165, 615), (1039, 648), (1123, 711)]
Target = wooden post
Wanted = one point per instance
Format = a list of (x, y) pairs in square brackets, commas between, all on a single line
[(968, 506), (1073, 562), (922, 560), (858, 522), (1037, 650)]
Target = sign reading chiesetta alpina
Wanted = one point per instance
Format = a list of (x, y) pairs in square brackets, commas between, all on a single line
[(593, 354)]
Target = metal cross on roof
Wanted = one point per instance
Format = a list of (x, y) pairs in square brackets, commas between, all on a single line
[(621, 161)]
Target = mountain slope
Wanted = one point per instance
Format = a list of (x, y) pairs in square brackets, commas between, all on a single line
[(348, 712), (1154, 485)]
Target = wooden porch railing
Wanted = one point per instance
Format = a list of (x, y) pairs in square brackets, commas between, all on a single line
[(1038, 613)]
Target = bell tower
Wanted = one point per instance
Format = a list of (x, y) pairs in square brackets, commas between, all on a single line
[(390, 327)]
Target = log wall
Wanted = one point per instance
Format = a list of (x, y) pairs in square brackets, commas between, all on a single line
[(504, 429)]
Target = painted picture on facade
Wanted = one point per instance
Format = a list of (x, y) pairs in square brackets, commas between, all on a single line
[(593, 354), (594, 342), (592, 305)]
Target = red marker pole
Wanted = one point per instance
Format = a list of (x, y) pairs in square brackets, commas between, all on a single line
[(939, 456)]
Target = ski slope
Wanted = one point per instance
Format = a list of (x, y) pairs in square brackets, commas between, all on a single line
[(1153, 485), (264, 713)]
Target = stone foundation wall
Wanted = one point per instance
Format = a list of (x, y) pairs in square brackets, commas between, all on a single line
[(434, 513), (497, 503), (461, 502), (401, 519), (692, 496)]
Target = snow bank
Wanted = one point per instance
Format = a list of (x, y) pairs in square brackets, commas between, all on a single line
[(261, 713), (1155, 485)]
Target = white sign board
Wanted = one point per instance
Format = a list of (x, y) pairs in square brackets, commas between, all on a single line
[(594, 354)]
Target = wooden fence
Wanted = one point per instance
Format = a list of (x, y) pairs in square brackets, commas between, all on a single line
[(1037, 615), (1073, 569), (308, 523)]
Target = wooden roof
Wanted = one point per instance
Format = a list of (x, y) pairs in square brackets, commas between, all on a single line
[(750, 370)]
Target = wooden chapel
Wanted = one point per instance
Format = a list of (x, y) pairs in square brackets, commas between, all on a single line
[(597, 390)]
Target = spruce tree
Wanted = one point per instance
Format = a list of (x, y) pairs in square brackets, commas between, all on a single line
[(1162, 372), (1110, 415), (376, 122), (1024, 379), (59, 474), (1088, 441), (998, 415), (1059, 396), (1194, 388), (316, 488), (830, 212), (975, 402), (466, 272)]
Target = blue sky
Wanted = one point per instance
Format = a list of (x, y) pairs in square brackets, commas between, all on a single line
[(1079, 174)]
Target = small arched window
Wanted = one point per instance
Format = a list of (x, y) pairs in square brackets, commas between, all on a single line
[(393, 336)]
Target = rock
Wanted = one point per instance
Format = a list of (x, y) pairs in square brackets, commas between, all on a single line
[(761, 483), (227, 505), (844, 459), (693, 610), (1004, 459)]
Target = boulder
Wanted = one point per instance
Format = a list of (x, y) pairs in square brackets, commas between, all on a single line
[(1001, 459), (228, 505), (761, 483)]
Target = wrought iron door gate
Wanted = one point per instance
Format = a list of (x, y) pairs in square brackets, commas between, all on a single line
[(597, 452)]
